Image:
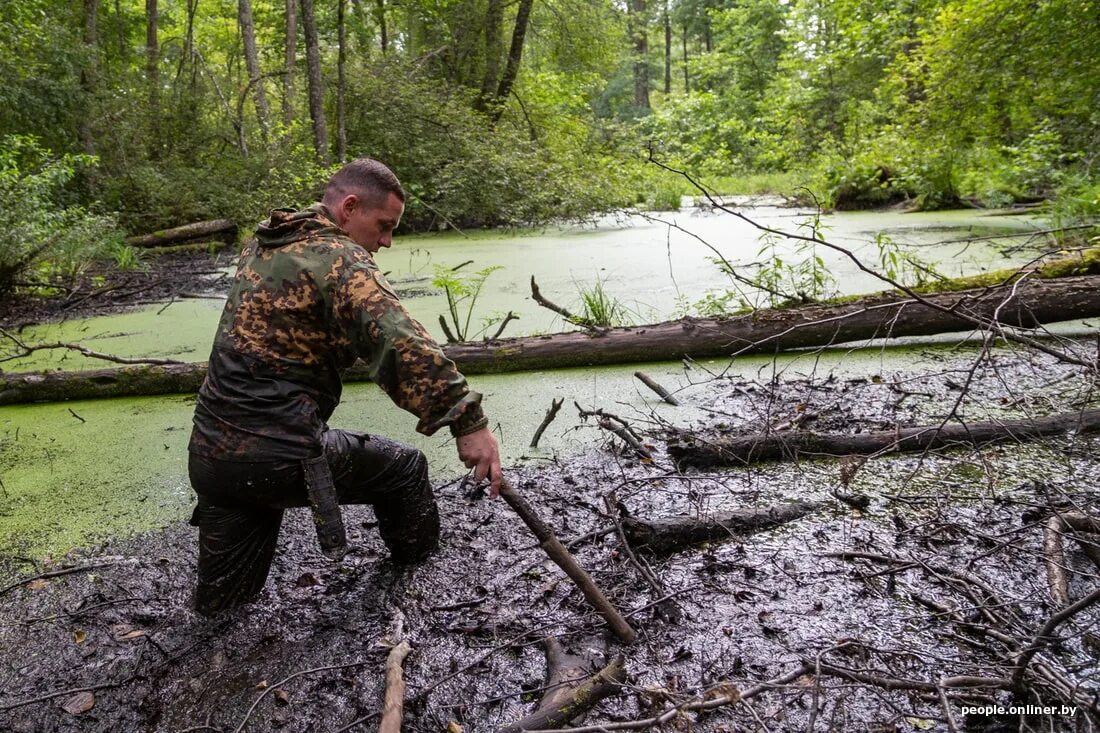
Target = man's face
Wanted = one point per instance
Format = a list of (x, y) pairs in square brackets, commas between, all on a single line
[(371, 227)]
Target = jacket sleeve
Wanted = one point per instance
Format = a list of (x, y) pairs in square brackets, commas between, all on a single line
[(401, 356)]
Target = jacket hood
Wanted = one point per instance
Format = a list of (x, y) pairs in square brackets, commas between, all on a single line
[(285, 226)]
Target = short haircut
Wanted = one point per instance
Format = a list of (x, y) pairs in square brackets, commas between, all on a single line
[(367, 178)]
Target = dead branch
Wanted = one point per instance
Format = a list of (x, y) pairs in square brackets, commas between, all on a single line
[(393, 706), (661, 391), (1055, 558), (662, 536), (1081, 527), (551, 413), (1043, 638), (668, 610), (538, 297), (224, 229), (564, 560), (447, 330), (503, 324), (280, 683), (28, 349), (585, 414), (576, 702), (59, 573), (626, 436), (690, 451)]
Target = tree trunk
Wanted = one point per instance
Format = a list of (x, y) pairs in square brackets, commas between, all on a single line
[(662, 536), (89, 74), (341, 82), (152, 58), (668, 51), (494, 20), (684, 41), (252, 63), (639, 32), (221, 229), (515, 54), (793, 445), (316, 88), (383, 31), (1032, 302), (290, 60)]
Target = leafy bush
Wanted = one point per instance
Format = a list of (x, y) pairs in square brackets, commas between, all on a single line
[(40, 230)]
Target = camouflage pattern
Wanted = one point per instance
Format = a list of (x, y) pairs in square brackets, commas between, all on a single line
[(305, 303)]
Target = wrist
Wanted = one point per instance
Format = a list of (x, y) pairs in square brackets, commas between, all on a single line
[(459, 431)]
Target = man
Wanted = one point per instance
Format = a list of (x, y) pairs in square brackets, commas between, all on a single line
[(307, 301)]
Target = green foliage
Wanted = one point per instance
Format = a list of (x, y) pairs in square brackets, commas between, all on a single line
[(462, 291), (599, 308), (40, 230)]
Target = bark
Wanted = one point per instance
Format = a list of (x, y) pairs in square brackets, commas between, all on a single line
[(668, 50), (793, 445), (583, 698), (684, 40), (290, 60), (515, 54), (252, 63), (394, 702), (341, 81), (768, 331), (1055, 558), (640, 37), (553, 547), (220, 229), (383, 31), (664, 536), (657, 388), (316, 88)]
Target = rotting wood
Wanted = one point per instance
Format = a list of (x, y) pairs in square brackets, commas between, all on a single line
[(1086, 530), (662, 536), (581, 699), (223, 229), (394, 705), (657, 388), (562, 669), (564, 560), (1031, 303), (691, 451), (1055, 558), (626, 436)]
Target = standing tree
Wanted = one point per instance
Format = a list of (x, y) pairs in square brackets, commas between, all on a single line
[(341, 82), (290, 62), (152, 60), (252, 63), (316, 84), (89, 74), (639, 35)]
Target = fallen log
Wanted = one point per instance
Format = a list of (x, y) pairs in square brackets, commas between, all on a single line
[(664, 536), (220, 229), (394, 701), (886, 315), (691, 451)]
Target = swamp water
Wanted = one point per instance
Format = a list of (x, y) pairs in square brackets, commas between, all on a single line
[(75, 472)]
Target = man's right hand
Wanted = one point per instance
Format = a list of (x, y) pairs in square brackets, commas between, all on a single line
[(480, 452)]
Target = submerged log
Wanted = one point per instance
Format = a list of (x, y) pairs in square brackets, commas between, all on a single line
[(1032, 302), (221, 229), (663, 536), (743, 450)]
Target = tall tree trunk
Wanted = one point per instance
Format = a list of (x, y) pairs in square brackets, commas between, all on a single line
[(152, 59), (189, 42), (89, 74), (123, 46), (252, 63), (668, 51), (341, 82), (687, 81), (494, 20), (515, 54), (640, 38), (316, 90), (290, 62), (384, 40)]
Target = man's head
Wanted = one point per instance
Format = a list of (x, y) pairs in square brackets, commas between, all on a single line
[(367, 200)]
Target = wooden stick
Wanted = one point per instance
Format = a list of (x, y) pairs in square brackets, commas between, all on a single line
[(553, 547), (394, 704), (1055, 558), (652, 384), (582, 699), (551, 413), (626, 437)]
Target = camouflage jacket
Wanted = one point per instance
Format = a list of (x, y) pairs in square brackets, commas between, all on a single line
[(305, 303)]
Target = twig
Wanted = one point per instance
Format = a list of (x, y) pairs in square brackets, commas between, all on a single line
[(283, 681), (57, 574), (1043, 637), (661, 391), (669, 610), (28, 349), (446, 330), (508, 318), (626, 437), (551, 413), (59, 693), (575, 320)]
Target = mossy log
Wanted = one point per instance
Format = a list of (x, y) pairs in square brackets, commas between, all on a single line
[(663, 536), (886, 315), (219, 229), (705, 453)]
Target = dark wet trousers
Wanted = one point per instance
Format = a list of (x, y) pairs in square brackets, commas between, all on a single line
[(240, 509)]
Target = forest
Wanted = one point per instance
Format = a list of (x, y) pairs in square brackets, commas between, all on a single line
[(784, 313)]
